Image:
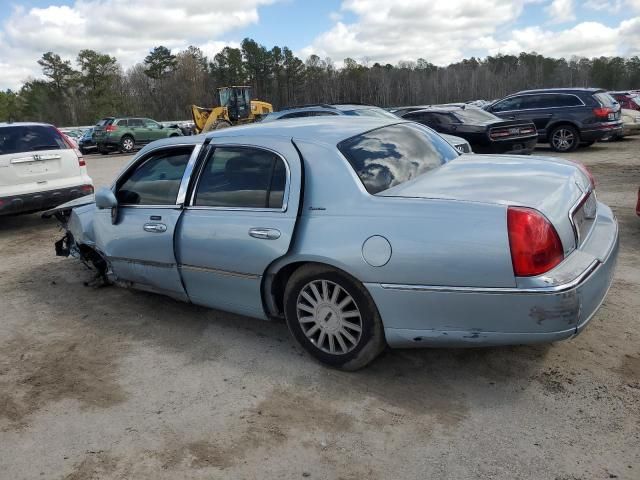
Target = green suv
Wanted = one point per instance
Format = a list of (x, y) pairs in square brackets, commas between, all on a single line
[(124, 134)]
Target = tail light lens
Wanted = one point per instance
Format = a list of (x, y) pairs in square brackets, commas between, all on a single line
[(87, 189), (535, 245), (638, 204), (110, 128), (81, 161), (603, 112)]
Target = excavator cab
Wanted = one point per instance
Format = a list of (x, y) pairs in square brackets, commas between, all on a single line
[(236, 108), (237, 100)]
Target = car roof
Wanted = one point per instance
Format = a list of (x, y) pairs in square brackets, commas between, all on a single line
[(560, 90), (319, 130), (24, 124)]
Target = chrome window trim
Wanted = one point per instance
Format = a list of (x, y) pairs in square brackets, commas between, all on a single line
[(186, 176), (542, 108), (551, 289), (137, 161), (285, 194)]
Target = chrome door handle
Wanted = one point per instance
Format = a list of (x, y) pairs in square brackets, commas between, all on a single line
[(264, 233), (155, 227)]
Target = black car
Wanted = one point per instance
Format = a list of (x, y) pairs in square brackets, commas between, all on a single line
[(485, 132), (87, 143), (565, 117)]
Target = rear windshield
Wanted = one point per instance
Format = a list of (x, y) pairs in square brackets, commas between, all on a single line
[(104, 122), (605, 99), (29, 138), (389, 156), (473, 115)]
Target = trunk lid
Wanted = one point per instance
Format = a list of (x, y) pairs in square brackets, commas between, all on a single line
[(552, 186)]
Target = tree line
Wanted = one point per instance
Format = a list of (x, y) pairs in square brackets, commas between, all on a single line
[(164, 84)]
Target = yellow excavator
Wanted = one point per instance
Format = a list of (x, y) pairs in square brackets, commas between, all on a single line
[(236, 108)]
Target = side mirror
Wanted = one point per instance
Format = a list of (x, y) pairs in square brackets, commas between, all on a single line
[(105, 199)]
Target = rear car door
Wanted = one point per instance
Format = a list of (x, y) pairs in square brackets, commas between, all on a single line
[(154, 130), (36, 158), (139, 130), (241, 217), (139, 246)]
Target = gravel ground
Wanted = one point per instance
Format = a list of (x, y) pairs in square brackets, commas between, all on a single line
[(117, 384)]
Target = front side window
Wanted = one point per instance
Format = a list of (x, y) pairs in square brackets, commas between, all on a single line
[(242, 177), (388, 156), (156, 180), (151, 123), (136, 122), (506, 105)]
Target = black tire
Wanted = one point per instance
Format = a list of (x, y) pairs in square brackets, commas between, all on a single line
[(127, 144), (363, 347), (174, 135), (564, 138), (104, 151)]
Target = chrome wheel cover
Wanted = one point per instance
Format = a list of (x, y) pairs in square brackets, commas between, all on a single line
[(563, 139), (329, 317), (127, 144)]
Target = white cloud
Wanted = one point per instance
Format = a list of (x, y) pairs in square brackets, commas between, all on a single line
[(439, 31), (448, 31), (561, 11), (127, 29)]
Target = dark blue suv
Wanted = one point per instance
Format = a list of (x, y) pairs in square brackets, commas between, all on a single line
[(566, 118)]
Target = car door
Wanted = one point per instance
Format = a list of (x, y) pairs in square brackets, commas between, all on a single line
[(241, 217), (139, 130), (139, 245), (154, 130)]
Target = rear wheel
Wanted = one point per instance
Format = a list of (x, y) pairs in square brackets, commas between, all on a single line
[(564, 138), (333, 317), (127, 144)]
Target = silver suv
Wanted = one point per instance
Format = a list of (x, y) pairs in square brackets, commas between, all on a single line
[(39, 168)]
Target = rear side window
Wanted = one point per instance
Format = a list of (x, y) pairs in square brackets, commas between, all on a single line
[(29, 138), (507, 104), (604, 99), (389, 156), (156, 180), (242, 177), (123, 122)]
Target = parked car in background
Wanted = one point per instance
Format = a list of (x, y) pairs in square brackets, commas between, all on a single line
[(566, 118), (321, 110), (87, 143), (629, 100), (124, 134), (186, 127), (400, 111), (39, 168), (360, 232), (484, 131), (630, 122)]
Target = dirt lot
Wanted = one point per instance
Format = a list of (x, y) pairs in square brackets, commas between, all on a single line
[(117, 384)]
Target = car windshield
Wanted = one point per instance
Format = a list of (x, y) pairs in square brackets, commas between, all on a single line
[(473, 115), (391, 155), (370, 112), (29, 138)]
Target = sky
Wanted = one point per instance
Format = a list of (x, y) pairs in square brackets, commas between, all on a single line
[(385, 31)]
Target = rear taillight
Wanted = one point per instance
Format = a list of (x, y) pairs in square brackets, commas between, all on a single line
[(535, 245), (86, 189), (583, 168), (603, 112), (638, 204), (110, 128), (81, 161)]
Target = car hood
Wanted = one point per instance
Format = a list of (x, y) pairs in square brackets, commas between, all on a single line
[(78, 202), (550, 185)]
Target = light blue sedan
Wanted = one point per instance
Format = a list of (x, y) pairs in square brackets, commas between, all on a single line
[(360, 232)]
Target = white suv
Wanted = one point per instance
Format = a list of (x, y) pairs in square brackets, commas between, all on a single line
[(39, 168)]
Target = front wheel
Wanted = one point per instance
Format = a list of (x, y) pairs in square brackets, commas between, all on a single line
[(333, 317), (564, 138)]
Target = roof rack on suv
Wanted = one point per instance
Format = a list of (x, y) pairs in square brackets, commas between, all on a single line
[(323, 105)]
